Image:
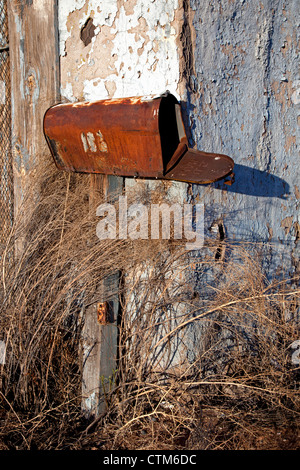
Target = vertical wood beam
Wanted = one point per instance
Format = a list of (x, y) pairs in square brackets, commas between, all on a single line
[(35, 76), (34, 56), (100, 340)]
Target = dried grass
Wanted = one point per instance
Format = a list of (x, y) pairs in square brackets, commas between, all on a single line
[(197, 369)]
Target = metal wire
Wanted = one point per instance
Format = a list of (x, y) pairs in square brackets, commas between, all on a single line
[(6, 173)]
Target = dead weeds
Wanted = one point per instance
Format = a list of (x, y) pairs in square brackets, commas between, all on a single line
[(195, 371)]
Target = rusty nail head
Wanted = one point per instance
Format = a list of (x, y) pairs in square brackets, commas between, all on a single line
[(103, 313)]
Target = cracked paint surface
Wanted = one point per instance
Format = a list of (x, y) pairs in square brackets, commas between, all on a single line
[(133, 51), (234, 65), (245, 103)]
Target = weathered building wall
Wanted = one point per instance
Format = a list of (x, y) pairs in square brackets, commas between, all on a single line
[(132, 50), (243, 101), (234, 67)]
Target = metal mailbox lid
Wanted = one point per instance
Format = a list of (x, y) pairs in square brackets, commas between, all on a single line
[(199, 167), (131, 137)]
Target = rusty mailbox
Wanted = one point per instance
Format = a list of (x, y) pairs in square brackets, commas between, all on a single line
[(133, 137)]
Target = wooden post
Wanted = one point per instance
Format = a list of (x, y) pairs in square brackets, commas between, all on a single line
[(35, 84), (100, 332), (35, 80)]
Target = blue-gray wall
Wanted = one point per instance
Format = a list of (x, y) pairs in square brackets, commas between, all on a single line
[(243, 100)]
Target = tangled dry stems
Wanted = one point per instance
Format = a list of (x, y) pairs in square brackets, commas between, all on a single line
[(204, 367)]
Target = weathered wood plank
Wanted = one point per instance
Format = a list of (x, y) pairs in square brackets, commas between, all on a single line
[(33, 40), (100, 340)]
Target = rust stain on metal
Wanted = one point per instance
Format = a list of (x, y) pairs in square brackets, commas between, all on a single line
[(131, 137), (103, 315), (102, 145)]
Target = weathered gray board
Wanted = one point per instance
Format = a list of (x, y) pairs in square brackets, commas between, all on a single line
[(100, 340), (33, 40)]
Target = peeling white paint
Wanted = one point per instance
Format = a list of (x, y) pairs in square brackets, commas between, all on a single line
[(93, 90), (67, 92), (64, 8), (103, 13), (296, 94), (134, 51), (91, 142), (84, 142)]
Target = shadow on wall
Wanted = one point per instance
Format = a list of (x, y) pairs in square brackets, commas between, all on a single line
[(254, 182), (247, 180)]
